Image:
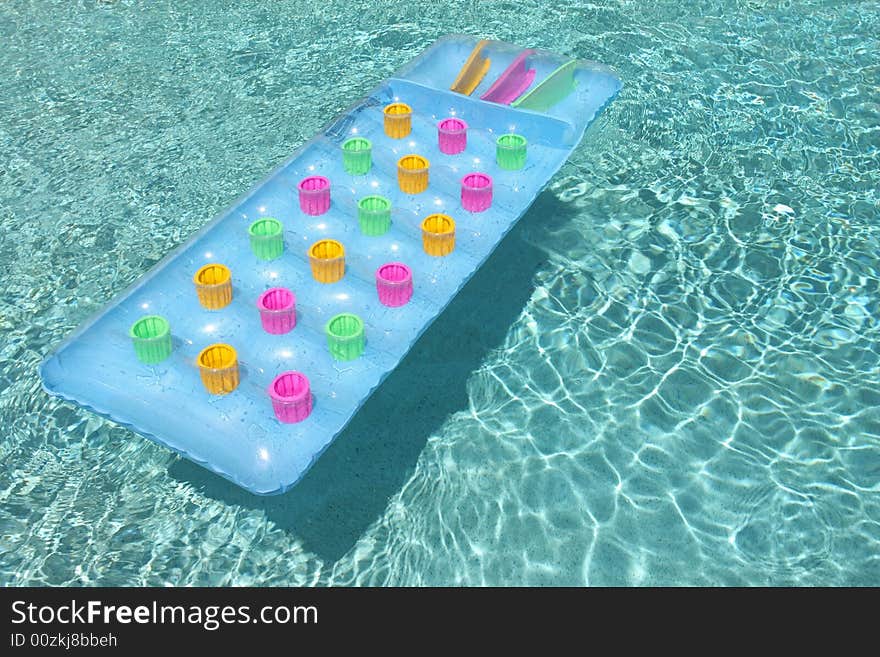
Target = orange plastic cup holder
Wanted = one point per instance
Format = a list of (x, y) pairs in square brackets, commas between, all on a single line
[(327, 258), (214, 286), (438, 234), (412, 173), (218, 367), (398, 120)]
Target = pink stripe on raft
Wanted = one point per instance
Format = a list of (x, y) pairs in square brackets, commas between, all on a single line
[(511, 84)]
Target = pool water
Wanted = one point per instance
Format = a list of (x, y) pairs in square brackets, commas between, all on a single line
[(668, 374)]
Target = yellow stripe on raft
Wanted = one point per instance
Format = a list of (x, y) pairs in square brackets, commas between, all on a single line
[(473, 71)]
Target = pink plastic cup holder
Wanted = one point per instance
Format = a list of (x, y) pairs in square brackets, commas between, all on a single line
[(277, 307), (476, 192), (291, 397), (452, 135), (314, 195), (394, 284)]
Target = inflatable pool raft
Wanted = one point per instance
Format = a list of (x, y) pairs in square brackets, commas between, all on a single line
[(249, 348)]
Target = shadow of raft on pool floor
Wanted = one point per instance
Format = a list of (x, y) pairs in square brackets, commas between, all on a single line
[(349, 486)]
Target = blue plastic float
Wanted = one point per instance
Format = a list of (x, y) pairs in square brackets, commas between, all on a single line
[(249, 348)]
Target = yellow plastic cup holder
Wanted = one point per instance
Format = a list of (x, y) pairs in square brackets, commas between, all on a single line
[(412, 173), (327, 258), (214, 286), (438, 234), (218, 367), (398, 120)]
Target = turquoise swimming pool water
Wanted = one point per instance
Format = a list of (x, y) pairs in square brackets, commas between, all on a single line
[(667, 374)]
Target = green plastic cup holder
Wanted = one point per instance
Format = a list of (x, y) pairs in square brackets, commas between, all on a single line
[(374, 215), (357, 156), (151, 337), (345, 336), (267, 240), (510, 151)]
